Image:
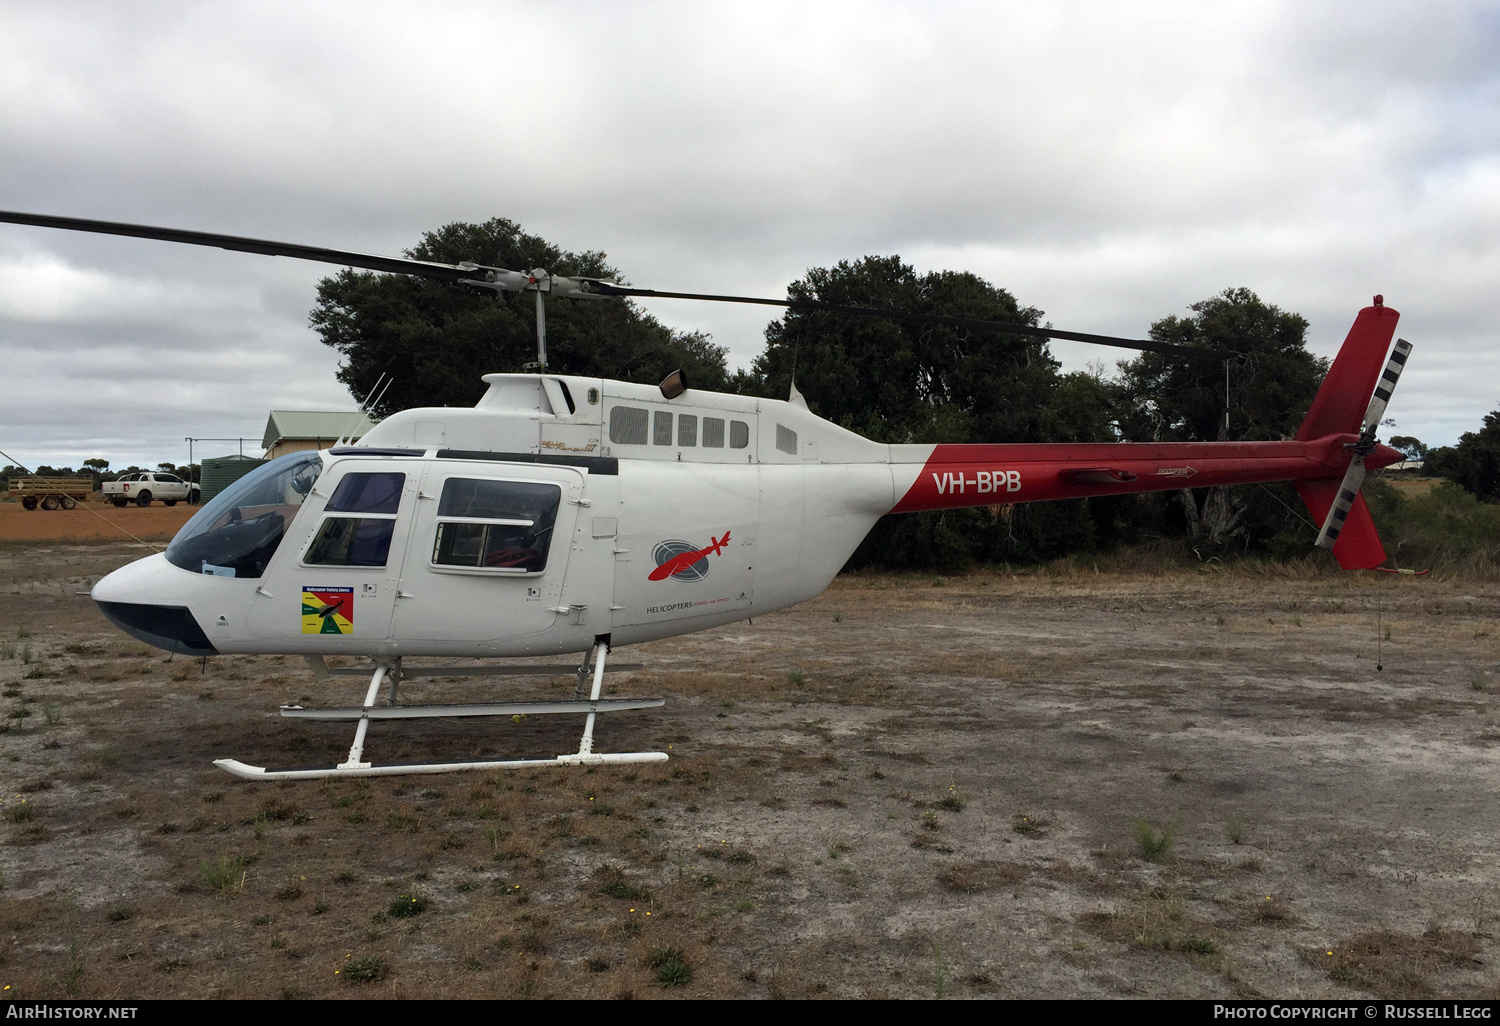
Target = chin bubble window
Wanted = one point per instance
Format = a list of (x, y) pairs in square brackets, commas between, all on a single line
[(238, 531), (361, 519), (495, 525)]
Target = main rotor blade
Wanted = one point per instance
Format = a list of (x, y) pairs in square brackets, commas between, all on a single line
[(1148, 345), (470, 275), (394, 265)]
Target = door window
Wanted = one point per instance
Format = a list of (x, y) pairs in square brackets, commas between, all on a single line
[(503, 526), (363, 540)]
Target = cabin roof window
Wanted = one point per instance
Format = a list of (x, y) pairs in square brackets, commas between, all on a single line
[(713, 433), (786, 439), (687, 429), (739, 434), (661, 428), (627, 425)]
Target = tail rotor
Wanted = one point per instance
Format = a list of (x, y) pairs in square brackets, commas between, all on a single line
[(1354, 477)]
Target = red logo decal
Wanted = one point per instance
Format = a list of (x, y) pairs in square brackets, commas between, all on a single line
[(682, 561)]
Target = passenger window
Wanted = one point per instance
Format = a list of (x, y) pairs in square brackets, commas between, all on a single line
[(739, 434), (496, 525), (627, 425), (687, 429), (661, 428), (713, 433), (786, 440)]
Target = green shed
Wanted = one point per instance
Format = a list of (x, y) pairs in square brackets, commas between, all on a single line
[(222, 471)]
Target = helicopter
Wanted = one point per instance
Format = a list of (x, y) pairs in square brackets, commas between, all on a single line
[(569, 515)]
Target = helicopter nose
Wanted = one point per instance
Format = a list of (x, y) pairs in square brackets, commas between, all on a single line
[(144, 601)]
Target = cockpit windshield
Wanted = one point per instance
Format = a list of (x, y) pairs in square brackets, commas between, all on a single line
[(237, 532)]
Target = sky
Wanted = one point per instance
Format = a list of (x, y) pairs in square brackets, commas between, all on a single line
[(1108, 163)]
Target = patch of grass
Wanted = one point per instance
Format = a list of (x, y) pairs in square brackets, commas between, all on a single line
[(121, 914), (291, 890), (225, 874), (407, 906), (619, 887), (1396, 965), (796, 678), (672, 967), (20, 811), (951, 801), (975, 877), (1154, 844), (1234, 829), (402, 820), (1029, 826), (370, 969), (52, 712)]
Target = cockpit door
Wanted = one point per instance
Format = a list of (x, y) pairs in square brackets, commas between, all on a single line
[(336, 570)]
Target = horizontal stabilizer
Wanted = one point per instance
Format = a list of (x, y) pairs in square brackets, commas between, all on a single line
[(1358, 546)]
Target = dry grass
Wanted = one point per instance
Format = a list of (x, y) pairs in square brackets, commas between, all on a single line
[(1396, 965)]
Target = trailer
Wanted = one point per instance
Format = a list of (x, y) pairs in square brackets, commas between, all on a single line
[(51, 492)]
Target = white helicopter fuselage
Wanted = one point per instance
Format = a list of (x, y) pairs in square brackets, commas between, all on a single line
[(756, 503), (563, 511)]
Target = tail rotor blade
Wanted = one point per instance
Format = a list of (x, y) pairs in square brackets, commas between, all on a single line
[(1342, 504), (1386, 385)]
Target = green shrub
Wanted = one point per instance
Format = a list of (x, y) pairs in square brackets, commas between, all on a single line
[(223, 874), (365, 970), (672, 968), (1155, 844), (408, 905)]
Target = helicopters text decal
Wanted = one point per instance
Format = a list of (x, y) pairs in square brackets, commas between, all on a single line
[(679, 560), (327, 610)]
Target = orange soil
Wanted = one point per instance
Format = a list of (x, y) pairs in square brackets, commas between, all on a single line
[(92, 521)]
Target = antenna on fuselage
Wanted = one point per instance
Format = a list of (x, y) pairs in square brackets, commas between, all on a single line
[(371, 399)]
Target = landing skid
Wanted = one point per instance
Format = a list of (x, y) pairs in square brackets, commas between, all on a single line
[(392, 673)]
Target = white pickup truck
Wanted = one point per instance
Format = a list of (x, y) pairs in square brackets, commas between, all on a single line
[(146, 486)]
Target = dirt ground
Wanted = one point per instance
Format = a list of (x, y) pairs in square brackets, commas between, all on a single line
[(93, 521), (908, 787)]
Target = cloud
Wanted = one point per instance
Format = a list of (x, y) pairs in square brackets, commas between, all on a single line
[(1110, 163)]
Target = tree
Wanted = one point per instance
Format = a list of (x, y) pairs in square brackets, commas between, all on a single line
[(1474, 462), (1413, 448), (1272, 381), (435, 340), (894, 381)]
